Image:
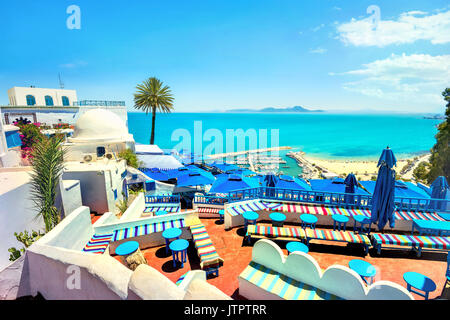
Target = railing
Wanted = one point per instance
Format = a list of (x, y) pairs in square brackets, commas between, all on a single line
[(320, 197), (422, 204), (208, 199), (162, 199), (100, 103)]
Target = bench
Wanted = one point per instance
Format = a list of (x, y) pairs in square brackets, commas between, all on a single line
[(209, 258), (280, 233), (143, 230), (415, 242), (281, 285), (98, 243), (339, 236)]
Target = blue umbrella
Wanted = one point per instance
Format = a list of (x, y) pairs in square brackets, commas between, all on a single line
[(225, 166), (233, 182), (384, 193), (175, 173), (336, 185), (242, 171), (439, 189), (195, 178), (350, 186), (288, 182)]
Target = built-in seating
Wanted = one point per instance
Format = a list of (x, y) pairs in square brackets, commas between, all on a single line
[(98, 243), (339, 236), (208, 210), (282, 285), (415, 242), (146, 229), (280, 233), (209, 258)]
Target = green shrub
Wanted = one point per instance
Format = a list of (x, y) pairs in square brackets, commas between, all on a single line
[(131, 158)]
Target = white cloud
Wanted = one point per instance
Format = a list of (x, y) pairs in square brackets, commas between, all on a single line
[(73, 65), (318, 50), (409, 27), (337, 8), (318, 28), (417, 78)]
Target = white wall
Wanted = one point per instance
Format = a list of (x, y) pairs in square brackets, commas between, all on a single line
[(18, 95), (16, 210)]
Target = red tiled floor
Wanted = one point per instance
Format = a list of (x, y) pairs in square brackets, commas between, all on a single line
[(391, 265), (95, 217)]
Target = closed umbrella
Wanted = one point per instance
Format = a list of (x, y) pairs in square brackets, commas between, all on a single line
[(350, 186), (439, 189), (384, 193)]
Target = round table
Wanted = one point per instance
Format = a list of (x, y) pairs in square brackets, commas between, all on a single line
[(364, 269), (250, 217), (362, 220), (419, 281), (221, 214), (339, 221), (308, 219), (277, 219), (169, 234), (179, 246), (296, 246), (127, 248), (160, 213)]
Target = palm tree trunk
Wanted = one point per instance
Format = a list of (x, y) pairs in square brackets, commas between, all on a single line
[(152, 137)]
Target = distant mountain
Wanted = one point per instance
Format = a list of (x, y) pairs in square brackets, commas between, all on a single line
[(297, 109)]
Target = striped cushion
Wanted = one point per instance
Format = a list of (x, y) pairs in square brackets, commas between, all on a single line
[(346, 236), (409, 240), (238, 209), (205, 249), (208, 210), (98, 243), (281, 285), (162, 208), (181, 278), (275, 231), (146, 229), (348, 211)]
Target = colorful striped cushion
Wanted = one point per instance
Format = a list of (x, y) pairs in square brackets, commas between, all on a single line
[(98, 243), (181, 278), (349, 211), (171, 209), (410, 240), (275, 231), (208, 210), (346, 236), (281, 285), (146, 229), (205, 249), (237, 209)]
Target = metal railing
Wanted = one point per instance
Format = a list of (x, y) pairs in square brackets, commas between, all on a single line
[(100, 103), (210, 199), (422, 204), (163, 199)]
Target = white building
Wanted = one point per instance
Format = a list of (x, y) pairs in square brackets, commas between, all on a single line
[(10, 143), (31, 96)]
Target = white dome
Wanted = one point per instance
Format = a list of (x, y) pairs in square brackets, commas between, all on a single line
[(100, 124)]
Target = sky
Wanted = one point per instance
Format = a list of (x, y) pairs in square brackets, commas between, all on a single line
[(223, 54)]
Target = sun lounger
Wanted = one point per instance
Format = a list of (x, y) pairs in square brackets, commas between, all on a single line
[(209, 258), (415, 242), (281, 286)]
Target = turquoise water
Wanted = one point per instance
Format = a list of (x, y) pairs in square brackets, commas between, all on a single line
[(331, 136)]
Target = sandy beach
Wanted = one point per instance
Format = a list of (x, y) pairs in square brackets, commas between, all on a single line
[(363, 170)]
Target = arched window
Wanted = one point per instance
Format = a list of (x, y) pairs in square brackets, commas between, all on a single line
[(31, 101), (48, 101), (65, 101)]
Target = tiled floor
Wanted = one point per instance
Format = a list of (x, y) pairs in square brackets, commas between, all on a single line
[(391, 265)]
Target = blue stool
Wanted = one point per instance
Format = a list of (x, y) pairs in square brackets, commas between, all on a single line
[(277, 219), (420, 282), (250, 217), (160, 213), (169, 234), (362, 221), (339, 221), (127, 248), (221, 214), (296, 246), (179, 246), (364, 269), (308, 220)]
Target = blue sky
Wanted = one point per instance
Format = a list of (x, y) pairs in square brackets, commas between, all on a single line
[(218, 55)]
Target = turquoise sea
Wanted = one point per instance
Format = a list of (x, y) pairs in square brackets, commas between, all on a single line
[(324, 135)]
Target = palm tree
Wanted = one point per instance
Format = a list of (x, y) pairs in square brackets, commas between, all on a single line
[(47, 164), (153, 96)]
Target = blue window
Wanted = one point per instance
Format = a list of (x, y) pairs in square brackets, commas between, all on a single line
[(48, 101), (65, 101), (115, 194), (31, 101), (13, 139)]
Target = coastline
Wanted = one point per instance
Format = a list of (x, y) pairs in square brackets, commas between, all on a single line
[(315, 167)]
